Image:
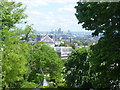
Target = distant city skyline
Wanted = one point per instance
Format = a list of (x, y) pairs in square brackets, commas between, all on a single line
[(46, 15)]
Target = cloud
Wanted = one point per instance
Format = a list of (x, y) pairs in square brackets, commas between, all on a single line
[(51, 19), (42, 19), (69, 8), (33, 13), (36, 3), (47, 17), (60, 1), (32, 3)]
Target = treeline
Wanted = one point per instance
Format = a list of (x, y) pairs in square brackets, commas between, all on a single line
[(98, 66), (24, 65)]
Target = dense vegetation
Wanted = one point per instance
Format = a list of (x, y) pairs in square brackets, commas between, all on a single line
[(77, 69), (102, 17), (24, 65), (98, 66)]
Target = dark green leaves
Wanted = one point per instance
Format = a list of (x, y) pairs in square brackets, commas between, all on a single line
[(102, 17), (99, 16), (44, 60), (77, 69)]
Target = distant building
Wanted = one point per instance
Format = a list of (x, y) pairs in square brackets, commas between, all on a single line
[(57, 43), (49, 41), (59, 31), (38, 37), (45, 82), (63, 52), (69, 32), (32, 42), (73, 45)]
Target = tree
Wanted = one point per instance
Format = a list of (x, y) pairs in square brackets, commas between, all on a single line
[(44, 61), (105, 62), (100, 17), (77, 69), (103, 17), (21, 60), (74, 41), (12, 14), (14, 51)]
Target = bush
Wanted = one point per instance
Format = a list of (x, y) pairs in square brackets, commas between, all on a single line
[(29, 85)]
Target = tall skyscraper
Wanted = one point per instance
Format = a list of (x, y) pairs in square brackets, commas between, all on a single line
[(59, 31)]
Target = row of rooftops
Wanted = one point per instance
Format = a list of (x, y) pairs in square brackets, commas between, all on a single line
[(61, 51), (47, 39)]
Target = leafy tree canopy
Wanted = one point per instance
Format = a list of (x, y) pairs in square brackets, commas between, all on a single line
[(105, 62), (44, 61), (103, 17), (14, 51), (77, 69), (100, 17)]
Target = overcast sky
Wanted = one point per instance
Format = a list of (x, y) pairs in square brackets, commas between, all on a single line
[(47, 15)]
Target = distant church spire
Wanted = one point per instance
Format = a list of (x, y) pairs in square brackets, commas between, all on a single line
[(45, 83)]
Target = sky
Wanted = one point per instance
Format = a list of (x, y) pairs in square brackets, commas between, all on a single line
[(47, 15)]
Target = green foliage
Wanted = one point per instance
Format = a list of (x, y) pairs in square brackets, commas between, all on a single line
[(29, 85), (74, 41), (100, 17), (24, 65), (28, 33), (62, 44), (77, 69), (82, 43), (103, 17), (105, 62), (15, 51), (12, 13), (44, 60), (14, 62), (48, 87)]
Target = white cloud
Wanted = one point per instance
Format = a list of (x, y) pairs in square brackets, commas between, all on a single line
[(51, 19), (69, 8), (36, 3), (33, 3), (60, 1), (33, 13), (39, 3), (44, 17)]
